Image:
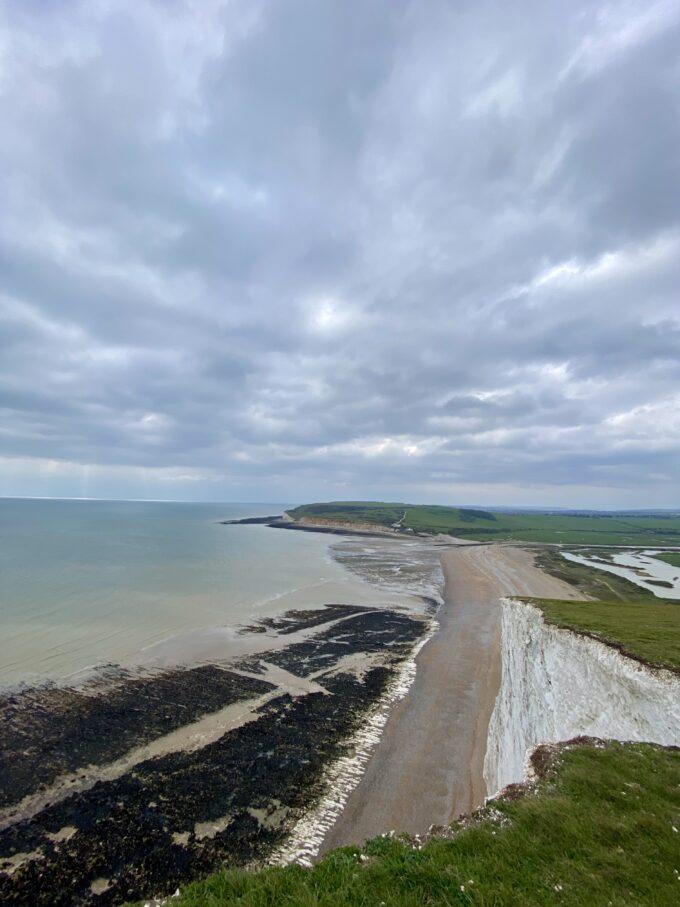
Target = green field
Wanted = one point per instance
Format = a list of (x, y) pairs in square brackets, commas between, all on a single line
[(673, 559), (648, 630), (485, 525), (599, 830)]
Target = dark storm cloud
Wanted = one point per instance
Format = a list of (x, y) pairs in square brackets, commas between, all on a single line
[(299, 249)]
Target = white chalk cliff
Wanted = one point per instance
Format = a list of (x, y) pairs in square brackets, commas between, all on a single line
[(557, 684)]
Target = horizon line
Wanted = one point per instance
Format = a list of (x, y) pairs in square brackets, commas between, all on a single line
[(491, 507)]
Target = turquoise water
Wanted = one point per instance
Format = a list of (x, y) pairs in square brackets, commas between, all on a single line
[(84, 583)]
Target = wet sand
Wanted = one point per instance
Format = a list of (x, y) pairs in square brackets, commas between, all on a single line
[(428, 767)]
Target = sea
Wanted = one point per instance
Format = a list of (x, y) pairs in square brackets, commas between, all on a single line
[(86, 585)]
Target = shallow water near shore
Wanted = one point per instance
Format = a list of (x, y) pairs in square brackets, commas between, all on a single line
[(90, 583)]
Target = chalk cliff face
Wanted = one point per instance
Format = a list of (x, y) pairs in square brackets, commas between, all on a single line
[(556, 685)]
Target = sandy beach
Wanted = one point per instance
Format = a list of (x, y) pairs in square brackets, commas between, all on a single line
[(428, 767)]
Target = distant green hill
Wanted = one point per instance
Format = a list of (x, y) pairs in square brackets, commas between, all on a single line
[(485, 525)]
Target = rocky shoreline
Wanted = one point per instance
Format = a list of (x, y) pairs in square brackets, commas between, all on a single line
[(49, 732), (226, 801), (327, 527)]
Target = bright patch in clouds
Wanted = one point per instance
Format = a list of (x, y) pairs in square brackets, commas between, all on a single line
[(391, 447), (329, 315)]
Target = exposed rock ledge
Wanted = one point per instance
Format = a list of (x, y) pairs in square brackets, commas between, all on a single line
[(323, 525), (557, 684)]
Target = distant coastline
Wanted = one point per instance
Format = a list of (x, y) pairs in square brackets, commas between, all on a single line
[(330, 527)]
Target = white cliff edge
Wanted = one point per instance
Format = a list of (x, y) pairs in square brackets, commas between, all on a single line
[(557, 684)]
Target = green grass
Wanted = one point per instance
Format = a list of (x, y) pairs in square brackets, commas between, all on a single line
[(598, 529), (598, 831), (673, 559), (646, 630)]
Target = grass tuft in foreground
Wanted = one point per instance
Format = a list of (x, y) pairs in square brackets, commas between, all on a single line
[(646, 630), (602, 827)]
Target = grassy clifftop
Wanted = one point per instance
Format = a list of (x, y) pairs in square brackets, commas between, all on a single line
[(486, 525), (648, 631), (600, 828)]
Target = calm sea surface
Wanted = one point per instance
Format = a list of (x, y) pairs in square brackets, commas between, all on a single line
[(83, 583)]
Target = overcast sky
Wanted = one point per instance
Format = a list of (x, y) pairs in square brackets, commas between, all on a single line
[(292, 250)]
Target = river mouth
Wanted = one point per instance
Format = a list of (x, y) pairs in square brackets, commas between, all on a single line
[(638, 566), (132, 785)]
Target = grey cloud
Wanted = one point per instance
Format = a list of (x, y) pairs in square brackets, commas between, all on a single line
[(406, 249)]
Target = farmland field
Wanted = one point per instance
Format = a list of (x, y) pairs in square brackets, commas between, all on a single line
[(673, 559), (625, 529)]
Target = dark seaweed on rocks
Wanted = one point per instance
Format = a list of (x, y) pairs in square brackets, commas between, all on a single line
[(371, 631), (177, 817), (139, 832), (48, 732), (252, 520), (294, 621)]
